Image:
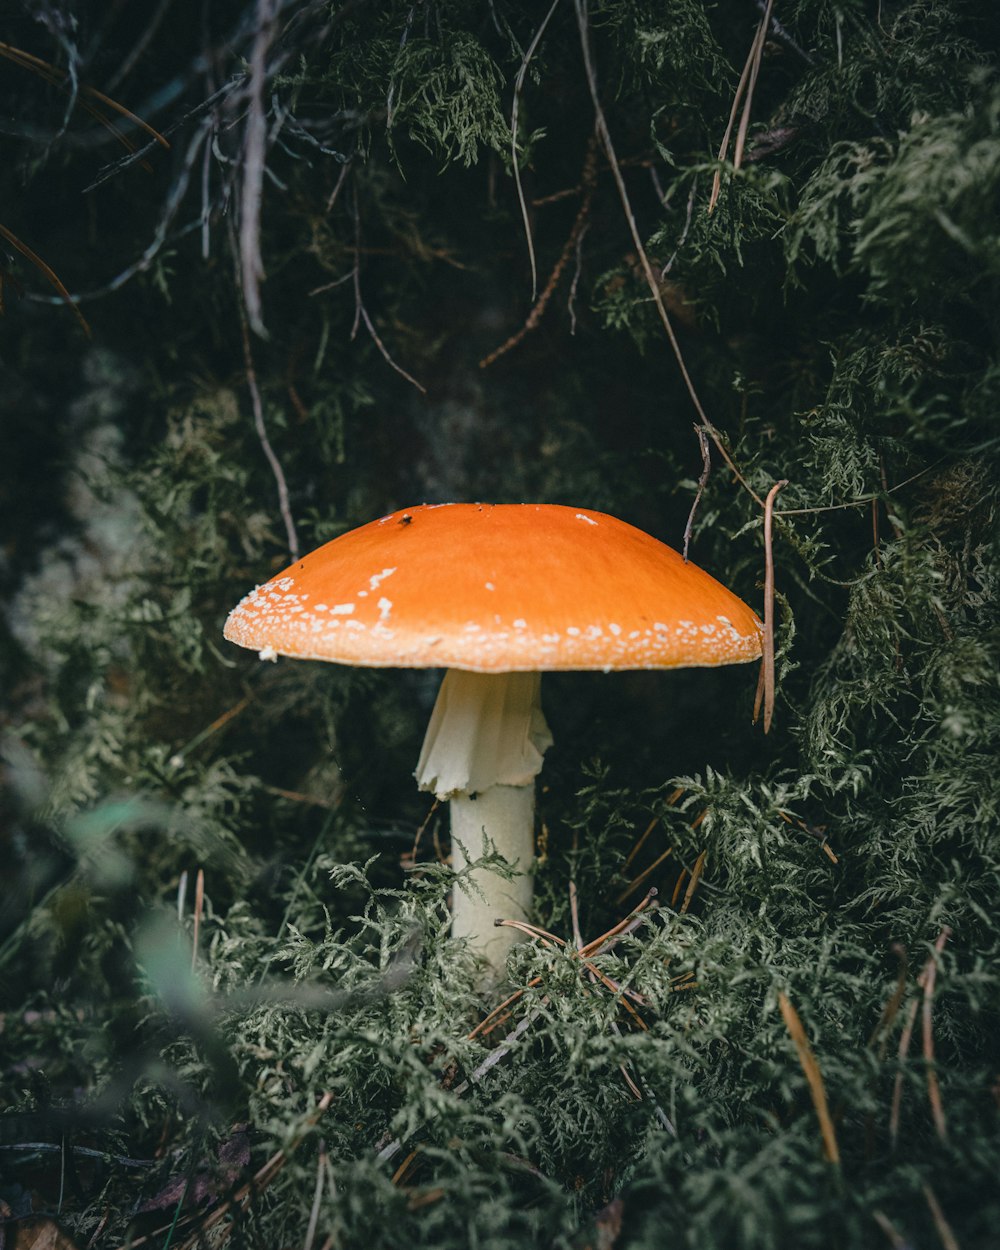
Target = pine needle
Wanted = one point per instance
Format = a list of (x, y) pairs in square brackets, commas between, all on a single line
[(47, 272), (813, 1076), (57, 77), (696, 871)]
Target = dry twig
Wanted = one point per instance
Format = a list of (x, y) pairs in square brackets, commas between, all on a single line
[(637, 881), (199, 907), (897, 1085), (360, 311)]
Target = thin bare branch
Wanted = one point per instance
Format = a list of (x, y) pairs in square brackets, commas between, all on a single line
[(360, 311), (258, 420), (385, 353), (687, 226), (589, 179), (337, 186), (598, 945)]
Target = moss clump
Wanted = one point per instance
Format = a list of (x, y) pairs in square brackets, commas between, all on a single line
[(837, 313)]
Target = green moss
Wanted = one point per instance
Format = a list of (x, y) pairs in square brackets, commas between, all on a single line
[(837, 313)]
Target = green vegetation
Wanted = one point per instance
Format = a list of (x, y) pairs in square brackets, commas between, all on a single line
[(296, 297)]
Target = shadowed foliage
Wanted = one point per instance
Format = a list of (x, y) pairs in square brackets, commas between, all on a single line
[(229, 1004)]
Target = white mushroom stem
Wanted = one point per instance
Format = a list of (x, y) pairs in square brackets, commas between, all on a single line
[(483, 749)]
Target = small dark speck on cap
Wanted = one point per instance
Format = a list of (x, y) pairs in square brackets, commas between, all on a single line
[(405, 519)]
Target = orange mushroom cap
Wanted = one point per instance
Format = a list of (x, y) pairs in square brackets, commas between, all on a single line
[(498, 588)]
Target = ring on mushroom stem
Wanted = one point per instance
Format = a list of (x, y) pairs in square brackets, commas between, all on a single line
[(496, 594)]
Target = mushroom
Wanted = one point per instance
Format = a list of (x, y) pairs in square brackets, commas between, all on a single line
[(495, 594)]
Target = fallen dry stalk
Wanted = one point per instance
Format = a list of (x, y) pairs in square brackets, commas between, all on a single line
[(813, 1076)]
